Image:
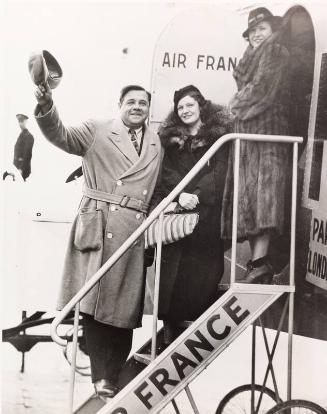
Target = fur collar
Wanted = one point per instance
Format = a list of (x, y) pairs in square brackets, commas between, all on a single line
[(249, 63), (216, 121), (262, 78)]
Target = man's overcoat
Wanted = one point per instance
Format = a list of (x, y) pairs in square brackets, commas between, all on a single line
[(110, 164)]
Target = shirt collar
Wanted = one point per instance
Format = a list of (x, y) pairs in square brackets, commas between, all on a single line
[(137, 130)]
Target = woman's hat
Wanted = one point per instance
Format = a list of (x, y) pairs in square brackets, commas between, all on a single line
[(44, 67), (181, 93), (259, 15), (188, 90)]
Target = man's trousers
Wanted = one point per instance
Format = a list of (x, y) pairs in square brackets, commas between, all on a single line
[(108, 348)]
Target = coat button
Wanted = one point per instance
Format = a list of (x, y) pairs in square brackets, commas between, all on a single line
[(138, 216), (109, 235), (113, 208), (119, 182), (145, 192)]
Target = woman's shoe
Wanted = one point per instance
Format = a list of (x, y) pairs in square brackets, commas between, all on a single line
[(262, 274), (105, 388)]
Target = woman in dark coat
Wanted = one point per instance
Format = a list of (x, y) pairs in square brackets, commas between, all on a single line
[(261, 106), (192, 267)]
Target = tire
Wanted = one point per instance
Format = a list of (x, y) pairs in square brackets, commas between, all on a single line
[(238, 401), (297, 407)]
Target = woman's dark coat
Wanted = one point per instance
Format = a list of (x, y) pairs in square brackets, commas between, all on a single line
[(192, 267), (261, 106)]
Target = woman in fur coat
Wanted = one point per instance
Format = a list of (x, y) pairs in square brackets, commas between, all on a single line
[(261, 106), (192, 267)]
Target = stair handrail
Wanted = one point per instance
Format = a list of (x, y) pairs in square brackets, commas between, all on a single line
[(155, 214)]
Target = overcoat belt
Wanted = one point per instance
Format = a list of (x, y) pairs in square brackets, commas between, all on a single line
[(110, 166)]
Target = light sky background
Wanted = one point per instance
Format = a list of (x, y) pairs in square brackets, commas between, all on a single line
[(87, 38)]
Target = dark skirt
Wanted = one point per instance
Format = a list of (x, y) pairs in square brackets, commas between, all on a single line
[(191, 271), (262, 180)]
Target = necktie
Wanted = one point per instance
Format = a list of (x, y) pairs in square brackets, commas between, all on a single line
[(134, 140)]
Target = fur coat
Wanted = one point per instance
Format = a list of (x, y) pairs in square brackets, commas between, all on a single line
[(216, 121), (261, 106), (262, 79)]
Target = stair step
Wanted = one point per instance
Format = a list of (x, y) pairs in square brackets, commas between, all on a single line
[(91, 406), (143, 358)]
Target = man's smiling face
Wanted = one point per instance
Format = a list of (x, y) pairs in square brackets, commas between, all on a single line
[(134, 109)]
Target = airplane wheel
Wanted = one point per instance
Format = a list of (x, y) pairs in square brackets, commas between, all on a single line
[(297, 407), (238, 401)]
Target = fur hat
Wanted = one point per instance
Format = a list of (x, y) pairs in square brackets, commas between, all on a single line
[(216, 121), (43, 67), (188, 90), (259, 15)]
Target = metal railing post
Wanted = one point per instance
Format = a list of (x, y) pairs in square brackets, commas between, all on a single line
[(157, 287), (253, 367), (235, 208), (73, 366), (191, 400), (292, 270)]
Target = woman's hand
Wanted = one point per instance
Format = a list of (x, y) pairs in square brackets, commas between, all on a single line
[(43, 96), (188, 201)]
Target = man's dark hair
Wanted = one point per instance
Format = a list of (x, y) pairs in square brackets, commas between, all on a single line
[(129, 88)]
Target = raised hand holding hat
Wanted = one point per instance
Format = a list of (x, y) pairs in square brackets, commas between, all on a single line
[(43, 94), (44, 68)]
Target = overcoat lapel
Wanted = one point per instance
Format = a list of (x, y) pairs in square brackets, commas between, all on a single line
[(119, 136), (149, 151)]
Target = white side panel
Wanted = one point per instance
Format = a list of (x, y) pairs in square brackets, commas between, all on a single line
[(198, 48)]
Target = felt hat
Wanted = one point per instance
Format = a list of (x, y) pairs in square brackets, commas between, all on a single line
[(44, 67), (259, 15), (21, 117)]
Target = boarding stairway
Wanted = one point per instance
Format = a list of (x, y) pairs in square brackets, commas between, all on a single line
[(150, 382), (198, 346)]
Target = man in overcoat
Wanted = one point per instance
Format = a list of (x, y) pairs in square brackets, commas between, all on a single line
[(23, 148), (120, 160)]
